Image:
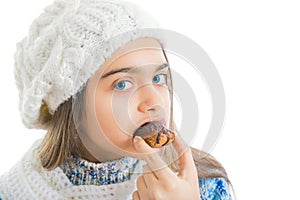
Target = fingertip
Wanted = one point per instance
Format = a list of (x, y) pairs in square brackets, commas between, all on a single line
[(136, 139), (140, 145)]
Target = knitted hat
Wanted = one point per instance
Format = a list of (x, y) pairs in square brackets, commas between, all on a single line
[(65, 46)]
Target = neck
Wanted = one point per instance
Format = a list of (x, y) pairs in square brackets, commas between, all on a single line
[(102, 155)]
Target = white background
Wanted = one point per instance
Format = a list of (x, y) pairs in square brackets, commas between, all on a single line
[(255, 46)]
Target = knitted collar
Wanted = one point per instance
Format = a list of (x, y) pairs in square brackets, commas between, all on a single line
[(83, 172)]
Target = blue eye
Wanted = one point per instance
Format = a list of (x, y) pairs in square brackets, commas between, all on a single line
[(122, 85), (159, 79)]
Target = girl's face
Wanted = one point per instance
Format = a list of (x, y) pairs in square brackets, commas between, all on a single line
[(127, 91)]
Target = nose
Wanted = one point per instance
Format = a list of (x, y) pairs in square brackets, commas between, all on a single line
[(149, 99)]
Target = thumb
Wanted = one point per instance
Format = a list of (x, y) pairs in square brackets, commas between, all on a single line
[(141, 146), (150, 155)]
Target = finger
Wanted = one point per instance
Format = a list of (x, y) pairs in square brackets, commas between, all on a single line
[(186, 161), (141, 184), (153, 159), (135, 195), (149, 154), (149, 177)]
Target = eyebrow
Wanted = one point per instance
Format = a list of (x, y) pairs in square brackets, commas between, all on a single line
[(127, 69)]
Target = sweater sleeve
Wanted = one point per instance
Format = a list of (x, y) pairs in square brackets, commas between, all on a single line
[(215, 189)]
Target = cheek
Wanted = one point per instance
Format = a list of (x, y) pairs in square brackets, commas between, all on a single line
[(112, 117), (166, 96)]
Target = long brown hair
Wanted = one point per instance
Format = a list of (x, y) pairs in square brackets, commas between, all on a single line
[(61, 140)]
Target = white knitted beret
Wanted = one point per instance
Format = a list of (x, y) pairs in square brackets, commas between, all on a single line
[(66, 44)]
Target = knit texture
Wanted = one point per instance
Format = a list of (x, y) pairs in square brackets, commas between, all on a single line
[(83, 172), (29, 180), (66, 44)]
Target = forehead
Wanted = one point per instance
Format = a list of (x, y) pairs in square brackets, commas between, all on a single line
[(137, 53)]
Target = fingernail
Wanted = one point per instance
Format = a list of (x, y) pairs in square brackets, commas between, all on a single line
[(136, 139)]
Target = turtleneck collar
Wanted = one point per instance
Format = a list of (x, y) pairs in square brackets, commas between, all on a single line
[(83, 172)]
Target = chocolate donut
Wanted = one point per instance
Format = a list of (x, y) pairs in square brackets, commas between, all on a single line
[(155, 134)]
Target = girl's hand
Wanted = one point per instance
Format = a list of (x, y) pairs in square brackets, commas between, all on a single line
[(160, 182)]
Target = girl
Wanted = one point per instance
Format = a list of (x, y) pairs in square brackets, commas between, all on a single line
[(88, 76)]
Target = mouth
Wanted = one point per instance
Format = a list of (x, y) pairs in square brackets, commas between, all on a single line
[(155, 134), (149, 126)]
